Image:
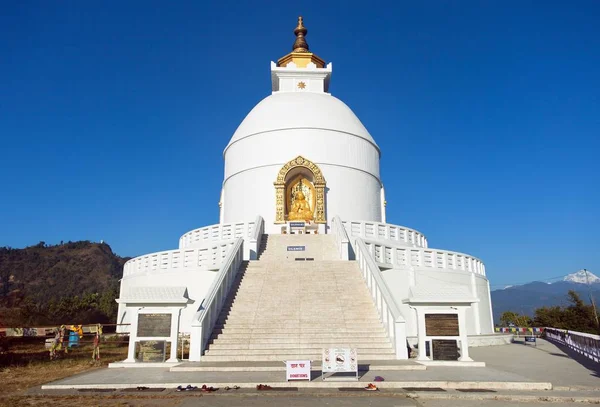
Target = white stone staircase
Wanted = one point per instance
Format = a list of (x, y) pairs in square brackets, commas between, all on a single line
[(282, 308)]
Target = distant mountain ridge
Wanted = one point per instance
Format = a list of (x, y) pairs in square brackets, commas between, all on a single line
[(70, 282), (526, 298)]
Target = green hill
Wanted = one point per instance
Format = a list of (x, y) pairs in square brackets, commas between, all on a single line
[(75, 282)]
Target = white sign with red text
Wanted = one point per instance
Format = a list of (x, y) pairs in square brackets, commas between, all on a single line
[(297, 370)]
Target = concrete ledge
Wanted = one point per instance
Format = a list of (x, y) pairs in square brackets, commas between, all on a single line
[(325, 385), (141, 365), (453, 363), (489, 340)]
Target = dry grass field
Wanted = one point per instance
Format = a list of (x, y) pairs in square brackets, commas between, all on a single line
[(25, 365)]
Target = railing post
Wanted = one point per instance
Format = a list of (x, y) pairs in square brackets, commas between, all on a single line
[(196, 342), (400, 340)]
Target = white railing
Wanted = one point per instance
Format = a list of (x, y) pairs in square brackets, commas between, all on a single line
[(257, 232), (205, 319), (586, 344), (404, 257), (226, 231), (389, 312), (385, 231), (341, 238), (209, 257)]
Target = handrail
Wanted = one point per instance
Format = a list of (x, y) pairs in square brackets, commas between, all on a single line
[(208, 256), (386, 232), (341, 237), (403, 256), (216, 232), (205, 319), (256, 235), (389, 312), (586, 344)]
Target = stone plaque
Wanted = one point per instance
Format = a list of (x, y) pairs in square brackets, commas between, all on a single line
[(445, 349), (154, 325), (152, 351), (441, 325)]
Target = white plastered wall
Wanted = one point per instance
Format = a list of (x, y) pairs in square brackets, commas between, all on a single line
[(197, 283), (399, 282), (350, 165), (341, 196)]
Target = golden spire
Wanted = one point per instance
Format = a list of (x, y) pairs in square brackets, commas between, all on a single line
[(300, 45), (300, 54)]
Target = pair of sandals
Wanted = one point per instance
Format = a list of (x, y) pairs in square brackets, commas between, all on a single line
[(234, 387), (371, 387), (189, 387), (263, 387)]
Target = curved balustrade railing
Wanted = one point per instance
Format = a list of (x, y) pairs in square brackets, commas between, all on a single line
[(208, 257), (401, 257), (217, 232), (341, 238), (205, 319), (586, 344), (389, 312), (385, 231)]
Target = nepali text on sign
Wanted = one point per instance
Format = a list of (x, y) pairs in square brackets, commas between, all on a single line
[(297, 370)]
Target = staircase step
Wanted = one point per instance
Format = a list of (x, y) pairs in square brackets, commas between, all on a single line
[(280, 309), (282, 357), (285, 336), (217, 345)]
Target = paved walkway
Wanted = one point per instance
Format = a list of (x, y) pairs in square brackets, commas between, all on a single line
[(510, 369), (544, 362)]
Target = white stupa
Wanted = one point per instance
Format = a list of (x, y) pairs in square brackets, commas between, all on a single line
[(302, 191)]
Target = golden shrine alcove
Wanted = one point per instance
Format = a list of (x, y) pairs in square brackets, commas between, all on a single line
[(300, 192)]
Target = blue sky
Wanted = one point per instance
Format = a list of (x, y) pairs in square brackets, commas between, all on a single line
[(114, 116)]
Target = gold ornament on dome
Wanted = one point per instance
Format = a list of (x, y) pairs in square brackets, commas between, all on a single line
[(301, 85), (299, 198), (300, 54)]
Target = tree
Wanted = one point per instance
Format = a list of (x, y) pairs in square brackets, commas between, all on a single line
[(513, 318), (578, 316)]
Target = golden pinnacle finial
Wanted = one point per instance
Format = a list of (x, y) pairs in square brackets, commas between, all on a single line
[(300, 45)]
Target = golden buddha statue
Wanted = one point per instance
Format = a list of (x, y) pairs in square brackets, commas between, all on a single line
[(300, 209)]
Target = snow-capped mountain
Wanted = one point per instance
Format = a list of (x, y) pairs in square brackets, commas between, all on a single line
[(580, 277), (526, 298)]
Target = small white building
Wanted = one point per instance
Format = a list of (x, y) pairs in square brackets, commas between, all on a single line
[(301, 161)]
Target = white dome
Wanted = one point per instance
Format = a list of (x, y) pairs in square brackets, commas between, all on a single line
[(297, 110)]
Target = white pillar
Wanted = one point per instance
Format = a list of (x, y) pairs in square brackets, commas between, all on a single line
[(464, 341), (132, 335), (174, 334), (421, 335)]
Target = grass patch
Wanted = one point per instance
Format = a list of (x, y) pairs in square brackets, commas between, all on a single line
[(27, 364)]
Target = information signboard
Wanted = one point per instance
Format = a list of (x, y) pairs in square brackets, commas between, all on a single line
[(530, 339), (441, 325), (152, 351), (154, 325), (340, 360), (297, 370), (445, 349)]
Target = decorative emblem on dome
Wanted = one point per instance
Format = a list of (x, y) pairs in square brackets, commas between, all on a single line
[(299, 160), (301, 85)]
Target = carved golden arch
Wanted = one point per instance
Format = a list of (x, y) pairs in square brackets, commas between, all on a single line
[(318, 181)]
